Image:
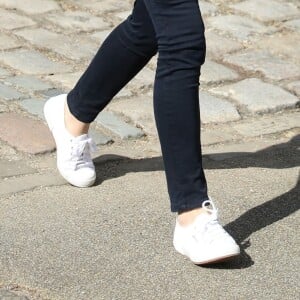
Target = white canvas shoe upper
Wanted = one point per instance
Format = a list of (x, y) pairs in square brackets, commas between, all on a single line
[(74, 160), (205, 240)]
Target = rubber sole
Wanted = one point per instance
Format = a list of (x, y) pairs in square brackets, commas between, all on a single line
[(85, 184), (217, 261)]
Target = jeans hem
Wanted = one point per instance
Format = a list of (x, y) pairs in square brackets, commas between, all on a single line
[(197, 203), (86, 119)]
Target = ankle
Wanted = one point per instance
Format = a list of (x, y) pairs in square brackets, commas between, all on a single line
[(186, 218), (73, 125)]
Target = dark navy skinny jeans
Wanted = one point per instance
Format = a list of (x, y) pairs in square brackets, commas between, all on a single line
[(174, 29)]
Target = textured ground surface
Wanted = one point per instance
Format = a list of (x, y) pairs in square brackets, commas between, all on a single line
[(113, 241)]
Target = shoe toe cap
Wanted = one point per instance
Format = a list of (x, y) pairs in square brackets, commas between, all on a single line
[(83, 177)]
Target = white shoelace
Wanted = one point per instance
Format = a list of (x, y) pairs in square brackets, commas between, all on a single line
[(81, 153), (210, 230)]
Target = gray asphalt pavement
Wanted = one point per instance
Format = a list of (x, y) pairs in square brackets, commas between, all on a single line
[(114, 240)]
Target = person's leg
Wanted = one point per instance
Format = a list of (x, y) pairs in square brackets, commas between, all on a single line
[(181, 46), (122, 55)]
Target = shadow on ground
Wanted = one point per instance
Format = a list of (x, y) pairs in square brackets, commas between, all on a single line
[(280, 156), (285, 155)]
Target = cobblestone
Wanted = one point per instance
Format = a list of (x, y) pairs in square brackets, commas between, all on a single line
[(8, 42), (267, 10), (258, 96), (73, 48), (32, 62), (139, 110), (268, 125), (7, 152), (3, 73), (29, 182), (8, 295), (35, 7), (216, 110), (215, 136), (9, 93), (28, 83), (10, 20), (124, 93), (218, 45), (279, 45), (145, 77), (117, 126), (271, 66), (100, 138), (294, 87), (123, 15), (67, 80), (100, 36), (14, 168), (292, 24), (212, 72), (25, 134), (34, 107), (78, 21), (207, 8), (103, 6), (74, 29), (241, 28), (3, 108), (51, 93)]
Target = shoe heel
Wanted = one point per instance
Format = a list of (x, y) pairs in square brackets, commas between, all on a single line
[(47, 115), (52, 107)]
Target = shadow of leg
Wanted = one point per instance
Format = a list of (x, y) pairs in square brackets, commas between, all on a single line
[(265, 214)]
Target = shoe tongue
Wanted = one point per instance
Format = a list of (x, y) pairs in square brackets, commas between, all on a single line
[(205, 217)]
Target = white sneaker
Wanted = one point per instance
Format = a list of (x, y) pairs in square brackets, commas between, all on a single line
[(205, 241), (74, 160)]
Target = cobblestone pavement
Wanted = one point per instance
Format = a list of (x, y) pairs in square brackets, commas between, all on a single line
[(249, 91)]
